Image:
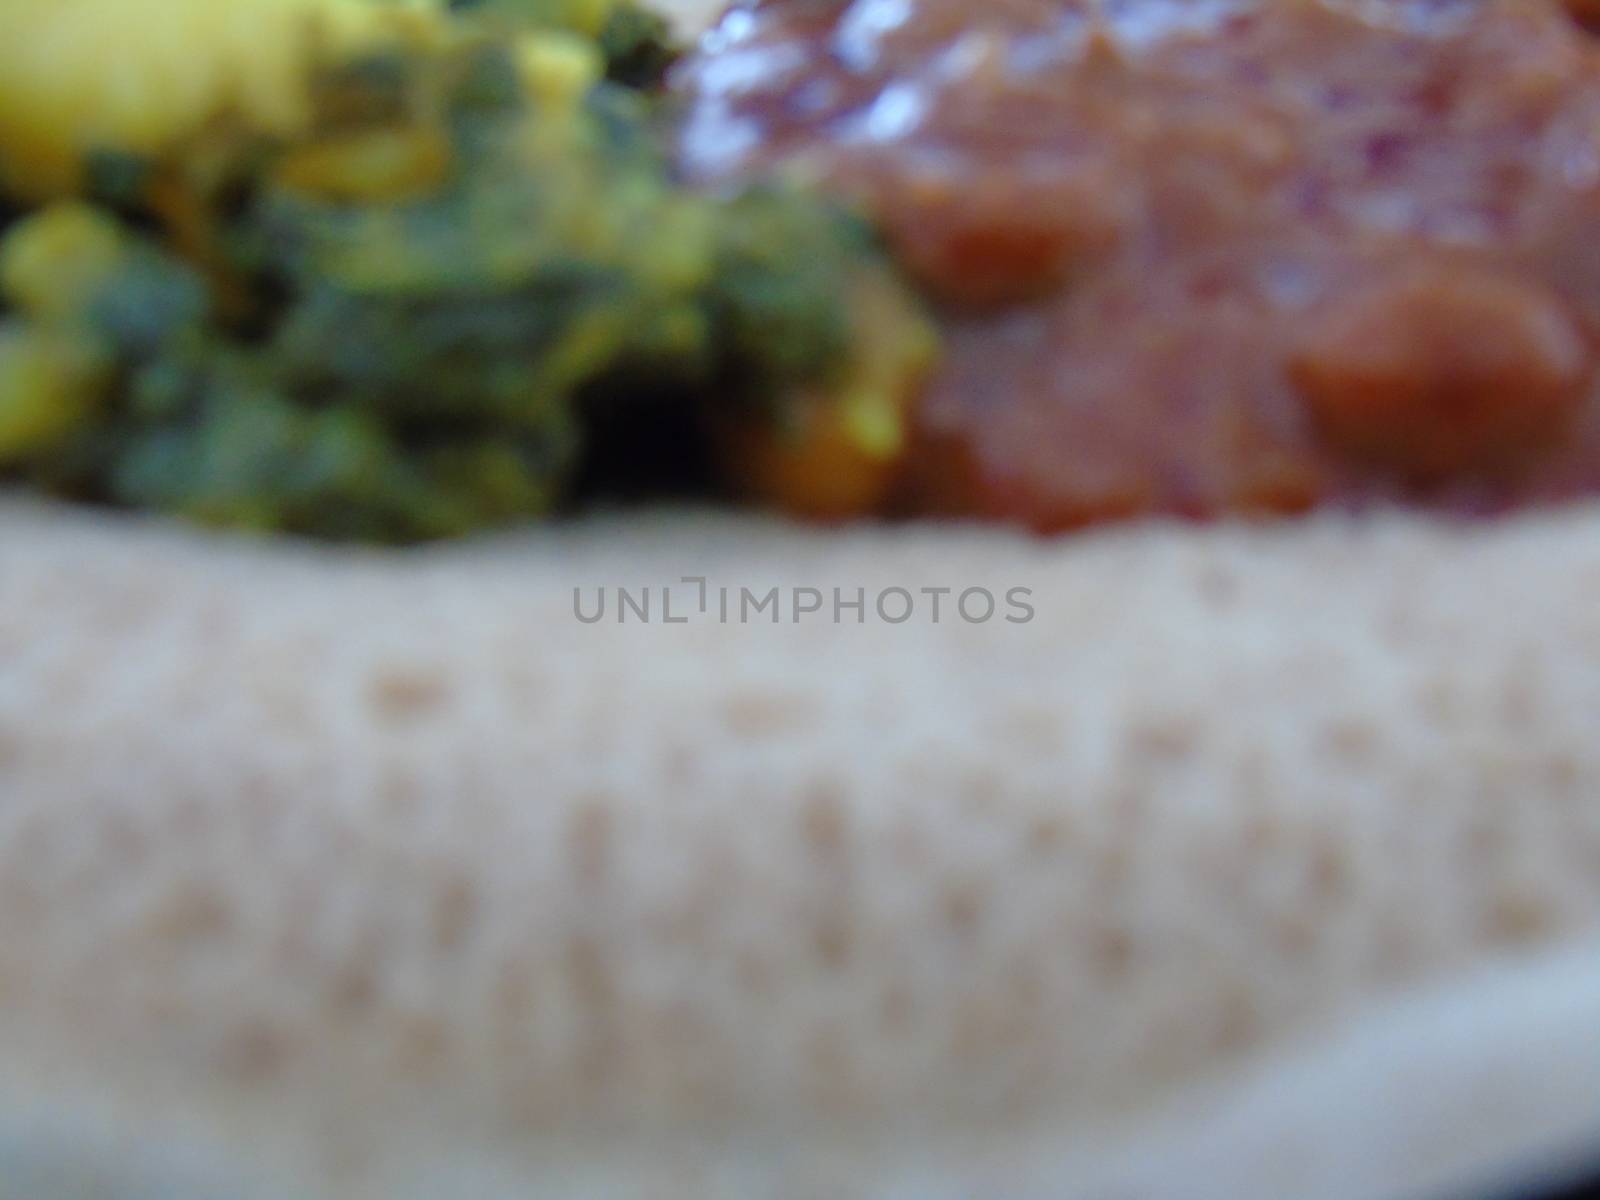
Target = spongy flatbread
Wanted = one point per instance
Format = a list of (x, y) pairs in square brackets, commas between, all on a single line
[(377, 872)]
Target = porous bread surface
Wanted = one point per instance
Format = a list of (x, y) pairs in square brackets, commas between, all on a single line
[(331, 843)]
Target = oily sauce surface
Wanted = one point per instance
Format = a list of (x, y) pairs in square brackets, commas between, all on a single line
[(1205, 256)]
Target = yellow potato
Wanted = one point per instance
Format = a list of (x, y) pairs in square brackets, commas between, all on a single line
[(51, 263), (82, 75), (48, 380)]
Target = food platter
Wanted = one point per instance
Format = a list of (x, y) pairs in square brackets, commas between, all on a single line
[(530, 665)]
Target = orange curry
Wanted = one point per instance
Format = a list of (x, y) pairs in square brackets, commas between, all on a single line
[(1205, 256)]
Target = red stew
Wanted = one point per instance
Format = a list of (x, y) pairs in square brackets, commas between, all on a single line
[(1206, 256)]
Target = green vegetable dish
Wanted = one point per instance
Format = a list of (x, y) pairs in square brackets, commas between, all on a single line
[(402, 272)]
